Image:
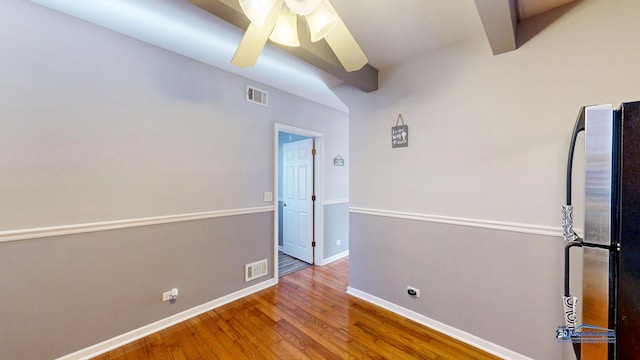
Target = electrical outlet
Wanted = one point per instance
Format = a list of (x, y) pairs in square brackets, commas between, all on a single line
[(338, 242), (413, 291), (170, 295), (267, 196)]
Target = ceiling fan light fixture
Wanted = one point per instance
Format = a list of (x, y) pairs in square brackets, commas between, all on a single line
[(285, 31), (257, 10), (303, 7), (321, 22)]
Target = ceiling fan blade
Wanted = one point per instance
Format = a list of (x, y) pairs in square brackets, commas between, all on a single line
[(254, 40), (345, 47), (232, 4)]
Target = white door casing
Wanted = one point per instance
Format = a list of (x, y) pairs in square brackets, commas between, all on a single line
[(297, 222)]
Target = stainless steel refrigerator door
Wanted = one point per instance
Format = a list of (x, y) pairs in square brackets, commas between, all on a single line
[(595, 299), (598, 177), (599, 157)]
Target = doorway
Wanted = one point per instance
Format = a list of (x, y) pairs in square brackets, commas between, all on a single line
[(298, 213)]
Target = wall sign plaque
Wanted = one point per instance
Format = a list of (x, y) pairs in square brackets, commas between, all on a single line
[(400, 133)]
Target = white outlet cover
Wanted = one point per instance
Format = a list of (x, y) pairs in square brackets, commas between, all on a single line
[(417, 295), (268, 196), (170, 295)]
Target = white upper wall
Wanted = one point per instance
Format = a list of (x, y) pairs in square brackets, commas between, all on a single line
[(184, 28), (96, 126), (488, 135)]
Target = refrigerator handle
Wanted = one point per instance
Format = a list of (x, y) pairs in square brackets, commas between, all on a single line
[(567, 224), (571, 238), (577, 129), (567, 268)]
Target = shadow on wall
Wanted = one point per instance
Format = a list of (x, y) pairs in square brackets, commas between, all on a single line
[(529, 28)]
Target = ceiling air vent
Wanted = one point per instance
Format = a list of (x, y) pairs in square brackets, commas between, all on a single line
[(255, 270), (257, 96)]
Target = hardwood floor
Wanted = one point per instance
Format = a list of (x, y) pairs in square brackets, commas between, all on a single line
[(307, 315)]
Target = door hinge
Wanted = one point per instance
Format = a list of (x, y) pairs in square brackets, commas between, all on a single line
[(313, 198), (313, 244), (313, 152)]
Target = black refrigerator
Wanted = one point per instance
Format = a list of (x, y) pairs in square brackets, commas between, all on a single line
[(604, 322)]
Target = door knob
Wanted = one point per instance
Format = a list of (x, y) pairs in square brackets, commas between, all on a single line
[(284, 204)]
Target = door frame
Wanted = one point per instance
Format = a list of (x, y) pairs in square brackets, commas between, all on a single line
[(319, 187)]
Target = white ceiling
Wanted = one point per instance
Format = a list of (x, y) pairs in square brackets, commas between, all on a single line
[(529, 8), (389, 32)]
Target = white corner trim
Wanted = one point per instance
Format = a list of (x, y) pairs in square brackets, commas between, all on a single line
[(121, 340), (463, 336), (335, 202), (486, 224), (335, 258), (24, 234)]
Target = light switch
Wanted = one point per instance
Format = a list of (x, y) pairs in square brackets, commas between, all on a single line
[(268, 196)]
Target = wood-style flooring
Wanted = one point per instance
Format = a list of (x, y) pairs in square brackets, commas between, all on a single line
[(307, 315)]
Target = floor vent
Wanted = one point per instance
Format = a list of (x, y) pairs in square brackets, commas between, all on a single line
[(255, 270), (257, 96)]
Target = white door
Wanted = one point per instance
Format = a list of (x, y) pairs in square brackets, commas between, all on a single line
[(297, 181)]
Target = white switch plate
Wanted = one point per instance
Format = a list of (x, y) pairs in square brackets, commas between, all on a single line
[(338, 242), (268, 196)]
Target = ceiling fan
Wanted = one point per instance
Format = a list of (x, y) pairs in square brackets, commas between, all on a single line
[(276, 20)]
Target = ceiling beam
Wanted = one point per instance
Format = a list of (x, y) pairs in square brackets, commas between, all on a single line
[(318, 54), (500, 21)]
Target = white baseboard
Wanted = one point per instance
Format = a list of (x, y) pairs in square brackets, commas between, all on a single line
[(335, 257), (121, 340), (440, 327)]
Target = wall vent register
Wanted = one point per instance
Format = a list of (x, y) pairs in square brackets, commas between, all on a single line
[(257, 96), (255, 270)]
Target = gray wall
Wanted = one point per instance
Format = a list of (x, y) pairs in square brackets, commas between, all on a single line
[(97, 127), (66, 293), (490, 283), (488, 140), (336, 227), (104, 127)]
